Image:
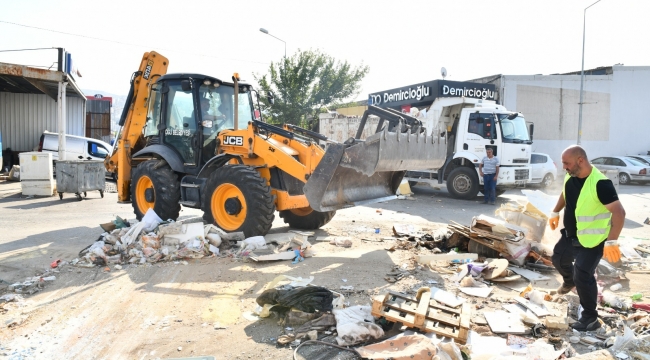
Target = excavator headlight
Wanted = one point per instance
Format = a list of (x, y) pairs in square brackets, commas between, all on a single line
[(207, 82)]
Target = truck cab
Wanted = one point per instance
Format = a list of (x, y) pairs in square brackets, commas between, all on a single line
[(470, 126)]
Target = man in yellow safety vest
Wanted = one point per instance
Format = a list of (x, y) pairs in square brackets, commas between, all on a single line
[(593, 220)]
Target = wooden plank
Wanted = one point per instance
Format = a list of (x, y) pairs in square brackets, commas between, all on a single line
[(465, 316), (502, 322), (439, 316), (423, 306), (401, 305), (437, 305)]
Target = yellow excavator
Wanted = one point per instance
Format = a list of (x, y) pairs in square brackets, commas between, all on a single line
[(196, 141)]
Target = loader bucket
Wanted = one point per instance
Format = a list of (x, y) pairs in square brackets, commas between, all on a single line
[(362, 172)]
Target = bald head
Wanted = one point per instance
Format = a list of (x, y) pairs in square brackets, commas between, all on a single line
[(575, 151), (575, 162)]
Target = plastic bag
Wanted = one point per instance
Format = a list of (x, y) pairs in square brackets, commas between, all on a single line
[(452, 350), (622, 341)]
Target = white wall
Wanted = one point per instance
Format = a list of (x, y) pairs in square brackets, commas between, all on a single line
[(613, 119), (24, 117)]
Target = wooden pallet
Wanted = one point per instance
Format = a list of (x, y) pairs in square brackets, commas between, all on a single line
[(424, 313)]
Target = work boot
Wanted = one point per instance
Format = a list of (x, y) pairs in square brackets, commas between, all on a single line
[(586, 325), (565, 289), (485, 202), (491, 202)]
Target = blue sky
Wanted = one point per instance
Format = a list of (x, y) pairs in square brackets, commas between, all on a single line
[(403, 42)]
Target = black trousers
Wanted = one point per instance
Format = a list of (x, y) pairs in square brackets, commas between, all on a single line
[(577, 265)]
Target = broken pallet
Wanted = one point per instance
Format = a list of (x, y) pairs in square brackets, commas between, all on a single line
[(424, 313)]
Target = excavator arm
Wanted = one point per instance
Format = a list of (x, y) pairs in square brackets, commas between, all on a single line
[(133, 120)]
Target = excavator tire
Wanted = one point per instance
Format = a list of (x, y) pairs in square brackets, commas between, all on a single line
[(237, 198), (306, 218), (155, 185)]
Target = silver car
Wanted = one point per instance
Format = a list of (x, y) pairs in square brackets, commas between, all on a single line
[(629, 169), (642, 158)]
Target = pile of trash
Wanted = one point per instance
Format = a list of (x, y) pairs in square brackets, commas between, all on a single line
[(152, 240), (33, 284), (319, 317)]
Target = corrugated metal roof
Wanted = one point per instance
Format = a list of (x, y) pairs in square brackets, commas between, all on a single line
[(16, 78), (24, 117)]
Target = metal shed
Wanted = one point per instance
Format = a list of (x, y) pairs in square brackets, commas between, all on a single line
[(29, 105)]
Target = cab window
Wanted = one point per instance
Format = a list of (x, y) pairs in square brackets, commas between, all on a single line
[(482, 125)]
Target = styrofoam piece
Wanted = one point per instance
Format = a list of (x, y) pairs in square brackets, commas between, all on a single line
[(528, 274), (37, 187)]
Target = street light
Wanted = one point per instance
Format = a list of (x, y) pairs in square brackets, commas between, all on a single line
[(285, 43), (582, 71)]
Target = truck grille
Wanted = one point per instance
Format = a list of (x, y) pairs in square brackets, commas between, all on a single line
[(520, 161), (521, 174)]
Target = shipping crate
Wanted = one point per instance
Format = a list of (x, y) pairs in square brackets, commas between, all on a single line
[(424, 313)]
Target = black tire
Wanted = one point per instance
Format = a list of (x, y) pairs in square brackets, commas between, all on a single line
[(547, 180), (482, 250), (623, 179), (307, 221), (166, 190), (462, 183), (258, 202)]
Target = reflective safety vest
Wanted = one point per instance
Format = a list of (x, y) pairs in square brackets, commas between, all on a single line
[(593, 220)]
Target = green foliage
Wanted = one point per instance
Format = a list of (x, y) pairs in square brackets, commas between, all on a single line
[(306, 82)]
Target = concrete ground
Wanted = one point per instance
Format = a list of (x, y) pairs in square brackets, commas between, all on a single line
[(167, 310)]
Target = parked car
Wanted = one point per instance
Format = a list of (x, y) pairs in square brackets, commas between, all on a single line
[(642, 158), (629, 169), (76, 148), (544, 169)]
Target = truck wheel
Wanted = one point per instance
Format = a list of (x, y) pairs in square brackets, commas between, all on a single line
[(547, 181), (462, 183), (306, 218), (237, 198), (154, 185)]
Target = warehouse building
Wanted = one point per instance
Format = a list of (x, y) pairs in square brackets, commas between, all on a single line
[(29, 106), (614, 121)]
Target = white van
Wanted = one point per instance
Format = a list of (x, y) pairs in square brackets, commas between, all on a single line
[(76, 147)]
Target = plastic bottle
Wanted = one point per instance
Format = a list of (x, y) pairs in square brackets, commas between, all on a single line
[(637, 296), (616, 287)]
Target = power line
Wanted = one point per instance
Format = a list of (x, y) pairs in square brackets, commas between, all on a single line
[(124, 43), (50, 48)]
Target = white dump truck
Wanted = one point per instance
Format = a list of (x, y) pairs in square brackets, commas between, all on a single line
[(460, 129), (469, 126)]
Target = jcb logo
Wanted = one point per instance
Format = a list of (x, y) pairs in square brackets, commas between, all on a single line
[(233, 140)]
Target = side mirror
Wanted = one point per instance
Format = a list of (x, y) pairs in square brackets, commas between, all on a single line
[(186, 85), (270, 97), (531, 130), (513, 116)]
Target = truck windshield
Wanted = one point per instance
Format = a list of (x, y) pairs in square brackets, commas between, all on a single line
[(515, 130)]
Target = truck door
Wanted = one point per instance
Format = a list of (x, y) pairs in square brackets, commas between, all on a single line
[(480, 133)]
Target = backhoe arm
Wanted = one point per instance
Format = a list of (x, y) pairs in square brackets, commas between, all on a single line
[(133, 120)]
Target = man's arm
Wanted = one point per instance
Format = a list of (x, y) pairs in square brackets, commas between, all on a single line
[(480, 168), (618, 218), (496, 174), (560, 204)]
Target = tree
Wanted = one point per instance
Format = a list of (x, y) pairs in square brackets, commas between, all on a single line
[(306, 82)]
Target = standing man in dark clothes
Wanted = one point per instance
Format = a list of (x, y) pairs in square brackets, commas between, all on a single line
[(593, 220)]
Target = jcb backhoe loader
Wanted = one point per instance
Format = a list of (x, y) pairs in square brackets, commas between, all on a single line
[(193, 140)]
